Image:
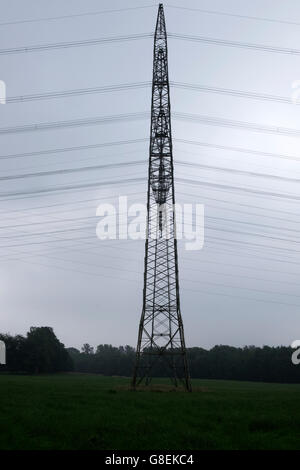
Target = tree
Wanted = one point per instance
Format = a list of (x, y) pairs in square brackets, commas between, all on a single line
[(87, 349), (15, 352), (45, 353), (39, 352)]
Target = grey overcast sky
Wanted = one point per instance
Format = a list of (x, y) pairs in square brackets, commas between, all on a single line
[(243, 287)]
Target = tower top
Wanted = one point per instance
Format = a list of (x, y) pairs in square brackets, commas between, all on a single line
[(160, 30)]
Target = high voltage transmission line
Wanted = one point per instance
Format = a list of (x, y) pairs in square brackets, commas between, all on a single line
[(109, 247), (134, 37), (124, 269), (76, 15), (235, 15), (141, 85), (142, 179), (76, 248), (216, 121), (238, 44), (136, 116), (74, 123), (68, 44), (231, 92), (69, 149), (76, 92), (237, 149), (129, 270), (224, 230), (237, 188), (203, 198), (114, 248), (143, 162), (185, 289), (224, 242), (188, 280), (92, 217), (119, 10), (125, 142), (208, 120), (42, 191)]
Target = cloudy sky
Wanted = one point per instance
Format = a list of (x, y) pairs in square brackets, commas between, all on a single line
[(243, 286)]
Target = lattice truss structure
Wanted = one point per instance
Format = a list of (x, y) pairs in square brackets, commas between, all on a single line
[(161, 335)]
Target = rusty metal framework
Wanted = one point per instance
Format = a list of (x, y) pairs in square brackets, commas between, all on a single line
[(161, 344)]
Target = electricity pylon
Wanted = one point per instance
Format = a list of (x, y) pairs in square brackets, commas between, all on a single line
[(161, 337)]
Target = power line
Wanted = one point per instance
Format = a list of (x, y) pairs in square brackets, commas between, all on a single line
[(74, 123), (83, 229), (75, 92), (76, 219), (118, 257), (245, 205), (71, 187), (133, 37), (206, 282), (65, 171), (237, 172), (252, 223), (234, 232), (16, 194), (192, 269), (187, 280), (237, 232), (198, 291), (69, 149), (259, 245), (210, 120), (140, 85), (81, 201), (236, 188), (144, 162), (237, 149), (252, 252), (216, 121), (284, 281), (187, 289), (134, 141), (231, 92), (178, 192), (78, 15), (124, 249), (225, 242), (235, 15), (68, 44), (244, 45), (239, 287), (243, 255)]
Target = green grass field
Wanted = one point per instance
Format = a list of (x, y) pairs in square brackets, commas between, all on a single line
[(80, 411)]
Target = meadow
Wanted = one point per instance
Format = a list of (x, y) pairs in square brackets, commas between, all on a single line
[(85, 411)]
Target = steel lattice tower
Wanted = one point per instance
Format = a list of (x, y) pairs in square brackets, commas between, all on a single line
[(161, 336)]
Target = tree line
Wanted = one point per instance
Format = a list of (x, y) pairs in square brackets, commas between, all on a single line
[(40, 351), (265, 364)]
